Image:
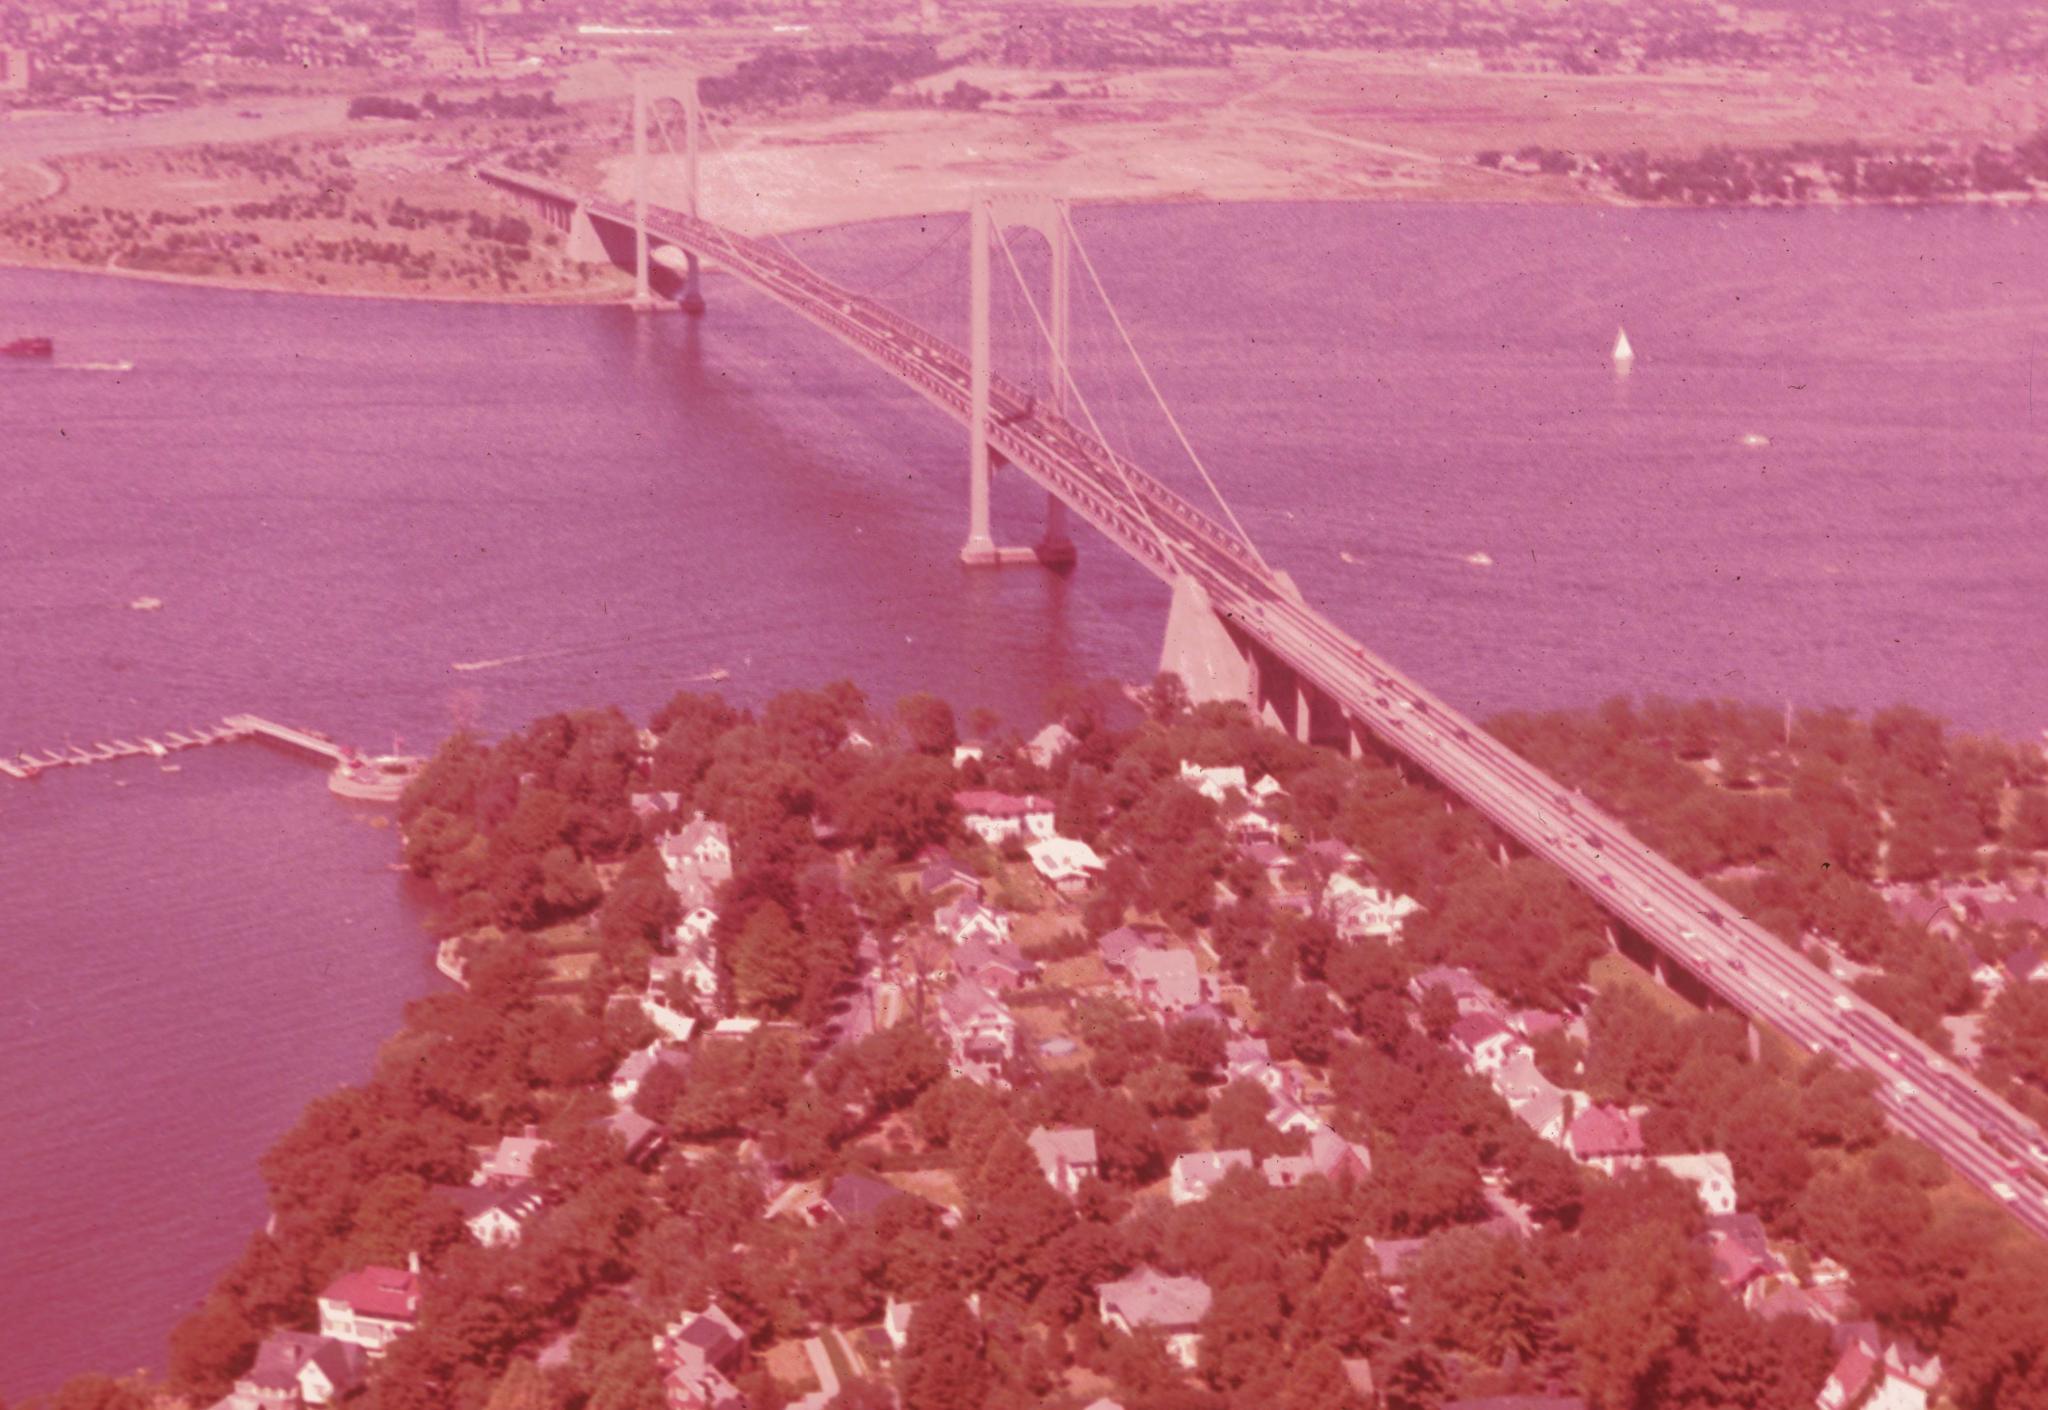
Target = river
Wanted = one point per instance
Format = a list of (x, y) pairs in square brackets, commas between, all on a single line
[(1822, 482)]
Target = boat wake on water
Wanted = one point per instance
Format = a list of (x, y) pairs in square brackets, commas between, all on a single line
[(95, 367)]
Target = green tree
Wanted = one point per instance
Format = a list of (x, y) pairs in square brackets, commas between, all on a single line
[(211, 1347), (928, 722), (945, 1362)]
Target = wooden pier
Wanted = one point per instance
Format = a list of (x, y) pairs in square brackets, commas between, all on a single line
[(28, 764)]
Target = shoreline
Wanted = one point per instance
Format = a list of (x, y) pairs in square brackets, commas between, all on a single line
[(596, 298)]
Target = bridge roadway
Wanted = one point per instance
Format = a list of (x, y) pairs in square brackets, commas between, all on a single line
[(1982, 1138)]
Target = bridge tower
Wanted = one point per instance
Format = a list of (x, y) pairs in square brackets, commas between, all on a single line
[(988, 216), (649, 89)]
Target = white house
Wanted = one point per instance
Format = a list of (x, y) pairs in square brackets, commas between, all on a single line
[(1196, 1174), (510, 1162), (1710, 1174), (496, 1216), (1049, 743), (1215, 784), (1070, 866), (1174, 1307), (997, 818), (1536, 1101), (371, 1307), (1363, 912), (965, 918), (1328, 1155), (1066, 1155), (698, 860), (1166, 979)]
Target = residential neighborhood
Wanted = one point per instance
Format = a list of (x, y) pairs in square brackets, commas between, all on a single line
[(1003, 1094)]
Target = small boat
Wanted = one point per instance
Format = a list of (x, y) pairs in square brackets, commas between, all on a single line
[(1345, 554), (1479, 558), (147, 604), (718, 673), (40, 349), (1755, 440), (1624, 354), (382, 779), (170, 768)]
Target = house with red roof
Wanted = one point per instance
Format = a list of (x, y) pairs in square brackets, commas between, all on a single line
[(1484, 1041), (371, 1307), (997, 818), (1606, 1138)]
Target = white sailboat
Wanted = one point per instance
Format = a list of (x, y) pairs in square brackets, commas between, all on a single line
[(1624, 355)]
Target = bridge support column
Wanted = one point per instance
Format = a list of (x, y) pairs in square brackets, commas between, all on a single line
[(692, 297), (1056, 548)]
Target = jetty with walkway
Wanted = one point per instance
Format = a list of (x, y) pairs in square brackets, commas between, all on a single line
[(29, 764)]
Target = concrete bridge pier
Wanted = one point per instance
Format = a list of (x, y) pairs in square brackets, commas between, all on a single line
[(1217, 660)]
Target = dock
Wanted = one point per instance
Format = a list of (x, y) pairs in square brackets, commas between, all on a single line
[(28, 764)]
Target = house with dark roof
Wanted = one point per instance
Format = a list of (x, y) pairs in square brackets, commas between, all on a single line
[(855, 1199), (998, 968), (1173, 1307), (1117, 946), (497, 1216), (1471, 995), (940, 875), (707, 1340), (642, 1138), (980, 1030), (371, 1307), (1484, 1041), (296, 1369)]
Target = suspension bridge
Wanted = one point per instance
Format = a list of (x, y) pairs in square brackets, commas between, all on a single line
[(1238, 629)]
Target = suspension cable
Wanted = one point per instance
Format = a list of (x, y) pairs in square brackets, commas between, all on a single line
[(1115, 460), (711, 131), (920, 261), (1067, 219)]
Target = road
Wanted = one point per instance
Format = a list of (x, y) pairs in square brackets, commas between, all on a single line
[(1982, 1138)]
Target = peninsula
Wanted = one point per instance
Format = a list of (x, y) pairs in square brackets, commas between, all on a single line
[(817, 1055)]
